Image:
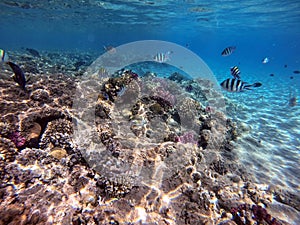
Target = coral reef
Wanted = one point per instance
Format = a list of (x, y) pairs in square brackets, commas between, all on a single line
[(17, 139), (242, 215), (163, 157)]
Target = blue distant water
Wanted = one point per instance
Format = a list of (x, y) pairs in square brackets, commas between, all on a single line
[(265, 29)]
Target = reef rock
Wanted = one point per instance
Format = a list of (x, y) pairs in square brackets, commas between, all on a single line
[(152, 154)]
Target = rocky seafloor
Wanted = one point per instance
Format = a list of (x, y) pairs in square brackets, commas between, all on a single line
[(47, 177)]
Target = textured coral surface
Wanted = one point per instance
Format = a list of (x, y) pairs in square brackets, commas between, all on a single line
[(187, 171)]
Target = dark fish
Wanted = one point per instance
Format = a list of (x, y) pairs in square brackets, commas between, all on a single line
[(235, 85), (291, 77), (110, 49), (272, 75), (296, 71), (33, 52), (235, 72), (228, 51), (293, 101), (19, 76), (285, 66)]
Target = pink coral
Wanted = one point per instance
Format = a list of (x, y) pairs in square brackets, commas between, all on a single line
[(166, 95), (187, 137), (209, 109), (18, 139), (163, 90)]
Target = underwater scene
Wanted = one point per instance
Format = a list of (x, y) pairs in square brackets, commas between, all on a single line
[(150, 112)]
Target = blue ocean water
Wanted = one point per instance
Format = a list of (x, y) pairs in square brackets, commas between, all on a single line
[(258, 29)]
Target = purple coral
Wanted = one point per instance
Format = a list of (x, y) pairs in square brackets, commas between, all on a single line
[(162, 90), (187, 137), (133, 75), (166, 95), (209, 109), (259, 213), (17, 138)]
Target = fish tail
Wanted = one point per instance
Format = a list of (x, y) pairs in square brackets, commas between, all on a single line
[(249, 86), (257, 84), (167, 57)]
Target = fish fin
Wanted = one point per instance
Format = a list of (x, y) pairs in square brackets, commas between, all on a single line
[(167, 57), (248, 87), (237, 77)]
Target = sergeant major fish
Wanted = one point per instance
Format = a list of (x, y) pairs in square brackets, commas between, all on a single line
[(228, 51), (162, 57), (102, 72), (235, 72), (235, 85)]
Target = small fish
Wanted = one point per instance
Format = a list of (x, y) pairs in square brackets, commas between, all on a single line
[(110, 49), (162, 57), (285, 66), (271, 75), (228, 51), (102, 72), (33, 52), (296, 71), (235, 72), (291, 77), (235, 85), (293, 101), (19, 76), (4, 56), (265, 60)]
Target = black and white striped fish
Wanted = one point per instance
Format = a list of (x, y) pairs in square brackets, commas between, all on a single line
[(162, 57), (235, 72), (236, 85), (228, 51)]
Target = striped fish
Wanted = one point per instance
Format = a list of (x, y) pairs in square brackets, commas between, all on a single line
[(3, 55), (162, 57), (236, 85), (228, 51), (102, 72), (235, 72)]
